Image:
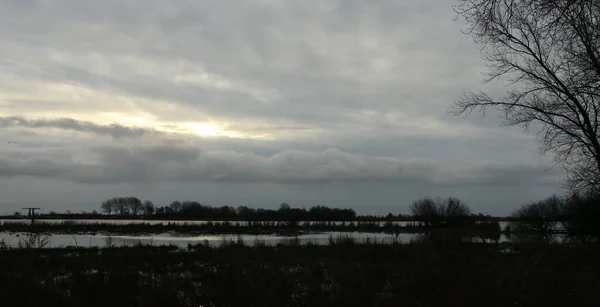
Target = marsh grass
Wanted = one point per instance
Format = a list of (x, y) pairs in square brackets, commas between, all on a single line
[(108, 242), (35, 240)]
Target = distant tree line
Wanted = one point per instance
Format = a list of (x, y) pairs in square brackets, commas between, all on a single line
[(134, 207), (434, 212)]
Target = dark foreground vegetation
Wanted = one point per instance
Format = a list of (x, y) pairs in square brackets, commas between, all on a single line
[(342, 274), (575, 215)]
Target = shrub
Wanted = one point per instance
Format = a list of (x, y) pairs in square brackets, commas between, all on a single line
[(540, 217)]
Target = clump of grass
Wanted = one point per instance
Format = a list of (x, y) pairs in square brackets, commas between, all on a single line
[(35, 240), (108, 242), (3, 245)]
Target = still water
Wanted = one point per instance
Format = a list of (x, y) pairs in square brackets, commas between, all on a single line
[(182, 240), (102, 240)]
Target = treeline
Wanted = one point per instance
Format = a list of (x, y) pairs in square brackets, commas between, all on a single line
[(134, 207)]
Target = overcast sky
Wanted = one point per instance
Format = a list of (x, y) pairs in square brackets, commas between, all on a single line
[(233, 102)]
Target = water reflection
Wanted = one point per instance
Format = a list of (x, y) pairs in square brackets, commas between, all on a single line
[(102, 240), (478, 233)]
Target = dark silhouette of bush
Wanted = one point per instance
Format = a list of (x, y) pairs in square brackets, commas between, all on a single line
[(582, 216), (539, 217), (440, 212)]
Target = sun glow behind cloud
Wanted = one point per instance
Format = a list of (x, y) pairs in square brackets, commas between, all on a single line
[(201, 129), (205, 129)]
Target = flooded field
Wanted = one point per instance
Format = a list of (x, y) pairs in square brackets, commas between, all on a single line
[(101, 240)]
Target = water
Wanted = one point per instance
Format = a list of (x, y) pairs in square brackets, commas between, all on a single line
[(102, 240), (182, 240)]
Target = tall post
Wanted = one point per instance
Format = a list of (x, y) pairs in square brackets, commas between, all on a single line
[(31, 213)]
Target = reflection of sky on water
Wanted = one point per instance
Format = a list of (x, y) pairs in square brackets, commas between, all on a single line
[(100, 240)]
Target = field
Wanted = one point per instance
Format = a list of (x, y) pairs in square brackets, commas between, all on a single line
[(344, 273)]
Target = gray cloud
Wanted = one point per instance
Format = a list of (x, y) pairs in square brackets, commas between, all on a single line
[(341, 100), (335, 66), (113, 130), (172, 162)]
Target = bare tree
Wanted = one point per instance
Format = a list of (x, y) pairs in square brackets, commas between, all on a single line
[(121, 206), (175, 206), (135, 205), (427, 210), (549, 52), (540, 217), (148, 208), (107, 206), (440, 211)]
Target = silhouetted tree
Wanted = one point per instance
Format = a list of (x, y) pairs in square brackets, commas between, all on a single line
[(175, 206), (194, 210), (549, 52), (244, 211), (135, 205), (121, 206), (108, 206), (427, 210), (284, 207), (440, 211), (540, 217), (148, 208)]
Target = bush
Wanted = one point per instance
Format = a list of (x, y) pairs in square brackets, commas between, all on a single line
[(440, 211), (540, 217), (582, 215)]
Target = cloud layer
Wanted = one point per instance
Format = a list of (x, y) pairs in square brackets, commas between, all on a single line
[(236, 93), (182, 162), (113, 130)]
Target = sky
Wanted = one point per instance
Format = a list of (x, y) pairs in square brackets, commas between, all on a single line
[(342, 103)]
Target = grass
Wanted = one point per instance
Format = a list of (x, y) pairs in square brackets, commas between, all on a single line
[(345, 273)]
